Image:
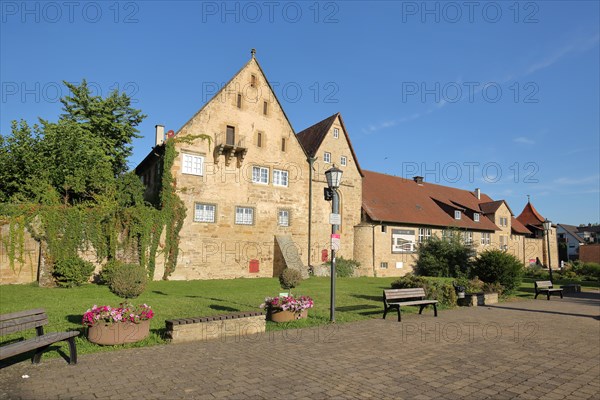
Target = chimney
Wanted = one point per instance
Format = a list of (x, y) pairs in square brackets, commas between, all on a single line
[(418, 179), (478, 193), (160, 134)]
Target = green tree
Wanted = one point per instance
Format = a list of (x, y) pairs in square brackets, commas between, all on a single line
[(449, 256), (112, 120)]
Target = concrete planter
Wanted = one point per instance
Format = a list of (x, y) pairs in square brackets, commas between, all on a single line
[(286, 316), (478, 299), (119, 333), (490, 298)]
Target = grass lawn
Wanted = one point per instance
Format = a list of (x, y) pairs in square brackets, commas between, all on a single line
[(356, 299), (527, 287)]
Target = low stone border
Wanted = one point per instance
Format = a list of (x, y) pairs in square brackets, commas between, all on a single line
[(478, 299), (216, 327)]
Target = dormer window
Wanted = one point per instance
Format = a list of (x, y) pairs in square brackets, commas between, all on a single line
[(336, 133), (457, 214), (476, 217)]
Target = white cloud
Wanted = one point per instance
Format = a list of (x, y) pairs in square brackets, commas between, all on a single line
[(523, 140)]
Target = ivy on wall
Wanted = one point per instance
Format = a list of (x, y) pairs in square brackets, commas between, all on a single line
[(106, 226)]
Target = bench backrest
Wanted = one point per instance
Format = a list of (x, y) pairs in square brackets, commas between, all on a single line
[(403, 294), (543, 284), (22, 320)]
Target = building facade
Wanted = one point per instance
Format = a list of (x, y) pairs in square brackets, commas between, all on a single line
[(255, 205)]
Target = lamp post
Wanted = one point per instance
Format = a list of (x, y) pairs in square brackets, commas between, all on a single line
[(334, 177), (547, 226)]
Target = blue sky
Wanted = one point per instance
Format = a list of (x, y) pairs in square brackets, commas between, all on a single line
[(498, 95)]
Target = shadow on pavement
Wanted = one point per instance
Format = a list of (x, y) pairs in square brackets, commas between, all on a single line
[(544, 311)]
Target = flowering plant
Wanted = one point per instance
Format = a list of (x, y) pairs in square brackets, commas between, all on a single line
[(124, 313), (287, 303)]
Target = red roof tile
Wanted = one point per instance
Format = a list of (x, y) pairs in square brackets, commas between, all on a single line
[(389, 198), (530, 216), (518, 227)]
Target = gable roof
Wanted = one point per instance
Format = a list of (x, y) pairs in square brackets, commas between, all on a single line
[(530, 216), (518, 227), (312, 137), (493, 206), (573, 231), (389, 198)]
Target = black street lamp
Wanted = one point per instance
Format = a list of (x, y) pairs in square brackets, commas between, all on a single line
[(334, 178), (547, 226)]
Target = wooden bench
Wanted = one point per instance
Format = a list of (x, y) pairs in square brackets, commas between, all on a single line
[(546, 287), (394, 298), (24, 320)]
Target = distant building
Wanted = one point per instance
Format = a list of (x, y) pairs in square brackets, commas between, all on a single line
[(568, 235)]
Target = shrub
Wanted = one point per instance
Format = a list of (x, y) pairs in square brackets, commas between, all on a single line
[(128, 280), (534, 271), (290, 278), (108, 270), (568, 274), (71, 272), (344, 268), (434, 288), (588, 270), (444, 257), (497, 266), (493, 288)]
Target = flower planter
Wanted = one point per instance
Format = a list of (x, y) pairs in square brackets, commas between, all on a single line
[(118, 333), (286, 316), (490, 298)]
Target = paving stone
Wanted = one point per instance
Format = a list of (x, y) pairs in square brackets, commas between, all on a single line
[(370, 359)]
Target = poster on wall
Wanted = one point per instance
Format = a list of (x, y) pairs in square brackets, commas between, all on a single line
[(403, 241)]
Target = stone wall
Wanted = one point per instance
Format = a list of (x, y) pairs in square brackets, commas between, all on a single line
[(25, 267)]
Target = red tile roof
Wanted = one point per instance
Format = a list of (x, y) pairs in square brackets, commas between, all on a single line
[(389, 198), (530, 216), (518, 227)]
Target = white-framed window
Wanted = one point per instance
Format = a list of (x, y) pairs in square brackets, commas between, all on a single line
[(503, 242), (280, 178), (336, 133), (424, 234), (403, 241), (503, 221), (486, 238), (343, 161), (283, 217), (193, 164), (457, 214), (383, 265), (476, 217), (244, 215), (260, 175), (468, 238), (327, 157), (204, 212)]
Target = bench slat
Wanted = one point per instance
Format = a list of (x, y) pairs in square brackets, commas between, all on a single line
[(415, 303), (19, 314), (24, 346), (22, 324)]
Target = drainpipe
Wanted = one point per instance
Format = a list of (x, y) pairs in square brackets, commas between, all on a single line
[(311, 161)]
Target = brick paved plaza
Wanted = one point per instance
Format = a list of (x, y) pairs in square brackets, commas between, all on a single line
[(526, 350)]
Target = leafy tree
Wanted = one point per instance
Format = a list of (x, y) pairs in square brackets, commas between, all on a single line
[(112, 120), (449, 256)]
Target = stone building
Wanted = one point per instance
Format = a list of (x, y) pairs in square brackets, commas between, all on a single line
[(255, 204)]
